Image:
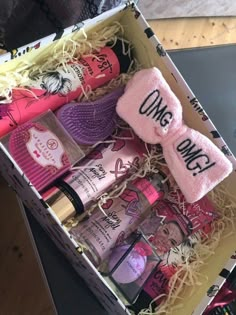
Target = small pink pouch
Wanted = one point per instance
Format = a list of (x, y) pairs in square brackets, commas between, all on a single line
[(154, 112)]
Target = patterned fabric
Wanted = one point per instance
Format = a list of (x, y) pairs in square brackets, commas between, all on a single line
[(104, 5), (24, 21)]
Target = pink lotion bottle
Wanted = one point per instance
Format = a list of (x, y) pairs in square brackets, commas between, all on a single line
[(106, 165), (102, 233)]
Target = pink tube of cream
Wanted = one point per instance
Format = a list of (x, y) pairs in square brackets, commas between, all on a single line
[(96, 173), (55, 88)]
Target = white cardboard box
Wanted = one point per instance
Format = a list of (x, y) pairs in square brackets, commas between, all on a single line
[(149, 52)]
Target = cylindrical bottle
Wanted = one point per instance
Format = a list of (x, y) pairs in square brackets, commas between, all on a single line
[(52, 89), (100, 233), (99, 170)]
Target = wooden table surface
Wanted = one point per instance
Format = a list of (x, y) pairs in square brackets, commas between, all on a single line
[(22, 291), (195, 32)]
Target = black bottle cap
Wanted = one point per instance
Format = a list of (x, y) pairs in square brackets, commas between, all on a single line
[(123, 53), (141, 303)]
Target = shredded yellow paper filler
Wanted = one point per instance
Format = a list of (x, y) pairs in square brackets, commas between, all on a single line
[(80, 43)]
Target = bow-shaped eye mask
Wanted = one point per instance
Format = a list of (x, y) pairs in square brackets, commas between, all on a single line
[(154, 112)]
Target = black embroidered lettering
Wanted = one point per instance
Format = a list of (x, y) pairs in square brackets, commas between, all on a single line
[(186, 142), (190, 155), (200, 156), (164, 121), (151, 106), (159, 112), (143, 109), (207, 167), (196, 166)]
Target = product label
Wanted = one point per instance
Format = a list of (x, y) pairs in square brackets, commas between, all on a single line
[(92, 70), (45, 148), (101, 168), (51, 89), (62, 80), (150, 192), (156, 285), (123, 215), (171, 221)]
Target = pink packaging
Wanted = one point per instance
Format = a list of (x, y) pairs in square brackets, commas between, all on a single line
[(130, 265), (55, 88), (158, 283), (107, 164), (43, 150), (172, 220), (172, 260)]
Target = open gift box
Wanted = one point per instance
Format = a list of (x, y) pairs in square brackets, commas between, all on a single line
[(149, 52)]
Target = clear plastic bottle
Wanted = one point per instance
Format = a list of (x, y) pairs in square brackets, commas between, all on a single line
[(101, 233)]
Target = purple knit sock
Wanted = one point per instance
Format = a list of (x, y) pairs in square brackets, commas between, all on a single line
[(90, 122)]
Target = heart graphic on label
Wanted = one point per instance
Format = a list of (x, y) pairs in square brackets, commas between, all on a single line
[(133, 211), (120, 238), (135, 162), (39, 152), (143, 249), (129, 195), (108, 204), (120, 168), (36, 154), (95, 155), (118, 145)]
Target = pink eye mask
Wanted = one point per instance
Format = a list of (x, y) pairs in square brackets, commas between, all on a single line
[(154, 112)]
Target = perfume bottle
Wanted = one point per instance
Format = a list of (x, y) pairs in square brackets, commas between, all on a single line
[(101, 233)]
